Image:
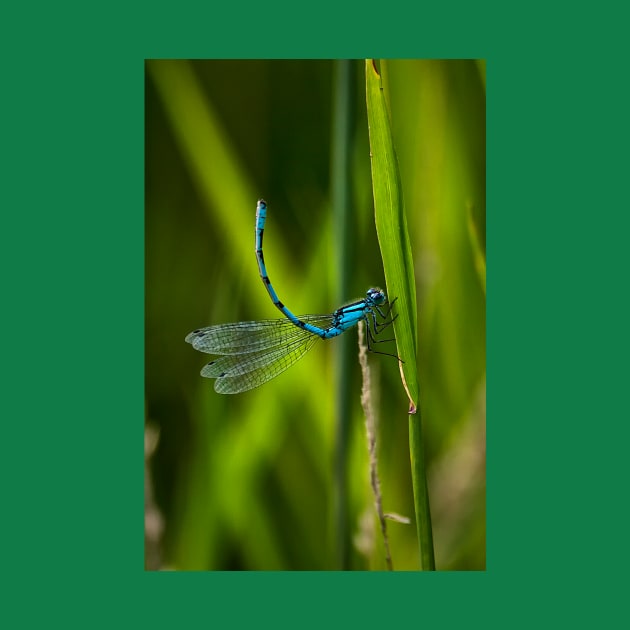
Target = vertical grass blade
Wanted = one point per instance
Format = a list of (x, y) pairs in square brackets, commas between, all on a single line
[(343, 108), (395, 245), (393, 236)]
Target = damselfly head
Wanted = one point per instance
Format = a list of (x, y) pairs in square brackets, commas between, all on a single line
[(375, 296)]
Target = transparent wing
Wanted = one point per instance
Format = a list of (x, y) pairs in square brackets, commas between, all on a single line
[(241, 372), (254, 352), (248, 337)]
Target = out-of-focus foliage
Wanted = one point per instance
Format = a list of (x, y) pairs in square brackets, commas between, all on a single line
[(246, 481)]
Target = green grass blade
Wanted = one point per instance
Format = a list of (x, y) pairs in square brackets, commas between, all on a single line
[(343, 109), (393, 237)]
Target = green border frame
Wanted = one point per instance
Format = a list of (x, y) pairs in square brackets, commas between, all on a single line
[(73, 149)]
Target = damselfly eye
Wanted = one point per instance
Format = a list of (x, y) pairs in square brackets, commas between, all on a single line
[(376, 296)]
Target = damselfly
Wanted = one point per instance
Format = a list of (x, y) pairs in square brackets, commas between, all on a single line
[(253, 353)]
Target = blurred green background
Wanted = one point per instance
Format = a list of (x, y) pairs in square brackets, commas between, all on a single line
[(249, 482)]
